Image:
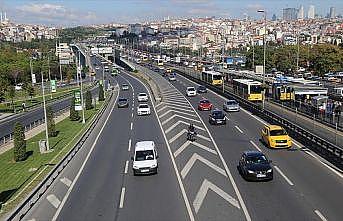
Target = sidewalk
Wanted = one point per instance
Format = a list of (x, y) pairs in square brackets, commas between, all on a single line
[(31, 133)]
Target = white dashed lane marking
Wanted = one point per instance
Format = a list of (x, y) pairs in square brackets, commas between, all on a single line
[(53, 200)]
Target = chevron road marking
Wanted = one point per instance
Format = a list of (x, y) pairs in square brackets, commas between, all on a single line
[(66, 181), (53, 200), (185, 131), (176, 111), (187, 143), (181, 122), (159, 104), (205, 186), (171, 93), (192, 161), (176, 115), (174, 96), (172, 100), (178, 105), (176, 108)]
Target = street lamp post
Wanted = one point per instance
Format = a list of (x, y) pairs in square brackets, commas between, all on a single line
[(264, 53), (45, 115), (79, 72)]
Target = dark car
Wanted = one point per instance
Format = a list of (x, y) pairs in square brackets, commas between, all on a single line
[(123, 102), (217, 117), (202, 89), (255, 166)]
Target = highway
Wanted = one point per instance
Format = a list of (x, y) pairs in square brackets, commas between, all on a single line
[(303, 186), (196, 180), (105, 188)]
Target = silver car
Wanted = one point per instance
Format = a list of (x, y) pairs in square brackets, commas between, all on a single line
[(231, 105)]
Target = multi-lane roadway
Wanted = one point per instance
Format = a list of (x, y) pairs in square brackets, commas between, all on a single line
[(196, 180)]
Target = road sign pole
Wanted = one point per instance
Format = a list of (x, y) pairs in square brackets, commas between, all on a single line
[(45, 115)]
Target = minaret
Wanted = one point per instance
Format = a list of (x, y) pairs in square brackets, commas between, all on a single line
[(5, 17), (1, 16)]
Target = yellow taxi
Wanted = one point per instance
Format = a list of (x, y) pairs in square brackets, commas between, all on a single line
[(276, 137), (169, 70)]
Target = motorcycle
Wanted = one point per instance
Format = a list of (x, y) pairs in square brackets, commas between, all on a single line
[(191, 135)]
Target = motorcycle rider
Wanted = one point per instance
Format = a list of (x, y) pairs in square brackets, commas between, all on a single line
[(191, 132)]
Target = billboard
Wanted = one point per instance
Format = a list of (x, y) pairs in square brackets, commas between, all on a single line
[(33, 78), (229, 60), (53, 86), (77, 96)]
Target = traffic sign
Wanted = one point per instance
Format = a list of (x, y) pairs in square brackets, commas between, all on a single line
[(77, 96)]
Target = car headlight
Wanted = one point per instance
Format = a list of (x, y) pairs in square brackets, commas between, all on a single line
[(269, 171), (135, 167), (250, 171), (154, 165)]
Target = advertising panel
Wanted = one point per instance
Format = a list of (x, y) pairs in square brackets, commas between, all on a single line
[(77, 96), (53, 86)]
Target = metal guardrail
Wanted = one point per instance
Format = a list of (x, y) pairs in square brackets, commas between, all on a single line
[(21, 210), (328, 150), (7, 138)]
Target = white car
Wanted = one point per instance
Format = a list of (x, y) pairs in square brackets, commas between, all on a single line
[(190, 91), (145, 158), (172, 77), (142, 97), (143, 109)]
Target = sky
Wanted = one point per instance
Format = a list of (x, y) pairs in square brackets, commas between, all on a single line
[(86, 12)]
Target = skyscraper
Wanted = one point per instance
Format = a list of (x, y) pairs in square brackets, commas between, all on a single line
[(310, 14), (289, 14), (301, 12), (332, 12)]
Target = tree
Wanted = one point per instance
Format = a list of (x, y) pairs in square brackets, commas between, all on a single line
[(101, 93), (51, 122), (11, 94), (89, 100), (19, 149), (74, 115)]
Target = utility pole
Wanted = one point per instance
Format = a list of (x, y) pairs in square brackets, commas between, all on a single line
[(253, 55), (298, 50), (49, 77), (45, 115), (264, 53), (82, 104), (31, 69)]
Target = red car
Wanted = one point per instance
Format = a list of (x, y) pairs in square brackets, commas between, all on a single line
[(204, 104)]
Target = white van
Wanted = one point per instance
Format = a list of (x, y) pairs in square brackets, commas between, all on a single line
[(145, 158)]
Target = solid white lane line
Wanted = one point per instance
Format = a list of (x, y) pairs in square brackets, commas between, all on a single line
[(129, 145), (283, 175), (82, 166), (66, 181), (227, 118), (53, 200), (320, 215), (131, 126), (122, 196), (126, 166), (239, 129), (255, 145)]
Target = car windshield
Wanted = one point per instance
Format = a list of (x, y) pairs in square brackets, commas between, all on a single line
[(125, 85), (231, 103), (257, 160), (122, 99), (143, 106), (144, 155), (204, 101), (218, 114), (278, 132), (202, 87), (191, 89), (142, 95)]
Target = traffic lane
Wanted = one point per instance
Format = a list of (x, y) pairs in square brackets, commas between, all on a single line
[(153, 197), (43, 209), (308, 173), (270, 195), (97, 191)]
